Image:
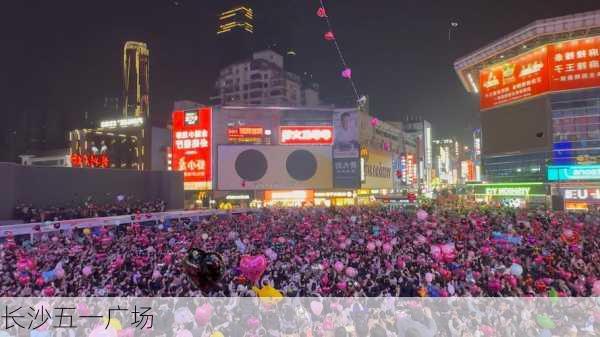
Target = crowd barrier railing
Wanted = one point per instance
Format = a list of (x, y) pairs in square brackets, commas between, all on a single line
[(55, 226)]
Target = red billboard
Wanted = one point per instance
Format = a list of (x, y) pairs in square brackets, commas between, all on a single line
[(192, 146), (575, 64), (568, 65), (306, 135), (521, 77)]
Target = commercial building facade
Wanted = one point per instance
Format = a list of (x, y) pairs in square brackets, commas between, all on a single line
[(289, 156), (539, 100)]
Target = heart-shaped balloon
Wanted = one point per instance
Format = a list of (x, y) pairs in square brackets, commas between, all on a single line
[(203, 314), (316, 307), (253, 267)]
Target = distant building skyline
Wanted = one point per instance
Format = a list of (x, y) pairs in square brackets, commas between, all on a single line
[(136, 79)]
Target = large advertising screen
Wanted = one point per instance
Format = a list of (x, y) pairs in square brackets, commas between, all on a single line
[(192, 147), (574, 64), (377, 170), (521, 77), (274, 167), (306, 135), (568, 65), (346, 162)]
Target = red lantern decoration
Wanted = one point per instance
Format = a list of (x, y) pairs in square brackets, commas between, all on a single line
[(329, 36), (321, 12)]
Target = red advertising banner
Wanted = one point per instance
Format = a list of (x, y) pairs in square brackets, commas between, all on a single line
[(574, 64), (521, 77), (306, 135), (192, 144), (568, 65)]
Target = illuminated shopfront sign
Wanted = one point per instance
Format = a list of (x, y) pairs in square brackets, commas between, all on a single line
[(92, 161), (305, 195), (573, 64), (335, 194), (238, 197), (510, 189), (122, 123), (573, 172), (245, 133), (191, 150), (310, 135), (582, 194)]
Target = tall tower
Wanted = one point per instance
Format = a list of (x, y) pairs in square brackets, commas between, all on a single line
[(235, 32), (136, 83)]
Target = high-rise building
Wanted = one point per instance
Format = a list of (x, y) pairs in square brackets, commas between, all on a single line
[(235, 33), (136, 80), (420, 130), (262, 80)]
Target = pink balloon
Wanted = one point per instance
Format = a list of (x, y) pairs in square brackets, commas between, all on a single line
[(168, 259), (60, 273), (203, 314), (341, 285), (347, 73), (184, 333), (87, 270), (156, 274), (422, 215), (351, 272), (40, 281), (316, 307), (374, 121), (253, 267), (387, 248), (378, 243), (82, 309), (338, 266), (436, 252), (48, 291), (128, 332), (596, 288), (253, 322), (24, 279), (370, 246)]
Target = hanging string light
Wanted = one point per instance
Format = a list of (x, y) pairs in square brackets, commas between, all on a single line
[(329, 36)]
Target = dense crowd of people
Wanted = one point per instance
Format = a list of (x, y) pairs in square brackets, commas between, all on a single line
[(326, 252), (88, 209)]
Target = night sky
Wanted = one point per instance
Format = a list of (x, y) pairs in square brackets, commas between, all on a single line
[(61, 58)]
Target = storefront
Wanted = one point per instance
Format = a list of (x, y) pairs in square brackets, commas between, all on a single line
[(335, 198), (518, 195), (581, 197), (295, 198), (579, 185), (368, 196)]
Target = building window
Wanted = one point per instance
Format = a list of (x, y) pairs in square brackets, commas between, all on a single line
[(276, 93), (256, 94), (255, 77)]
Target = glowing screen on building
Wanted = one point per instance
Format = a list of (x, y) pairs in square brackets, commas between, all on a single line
[(573, 64), (191, 148)]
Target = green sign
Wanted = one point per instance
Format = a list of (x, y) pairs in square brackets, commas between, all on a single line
[(573, 172), (510, 189)]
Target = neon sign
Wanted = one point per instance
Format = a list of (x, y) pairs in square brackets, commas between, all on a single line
[(92, 161), (122, 123), (573, 172), (313, 135)]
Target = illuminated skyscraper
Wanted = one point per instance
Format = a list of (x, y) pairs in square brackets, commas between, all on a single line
[(238, 18), (136, 83), (235, 33)]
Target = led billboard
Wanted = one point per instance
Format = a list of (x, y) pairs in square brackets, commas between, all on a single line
[(192, 147)]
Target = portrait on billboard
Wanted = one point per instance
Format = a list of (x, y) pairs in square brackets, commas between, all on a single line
[(345, 139)]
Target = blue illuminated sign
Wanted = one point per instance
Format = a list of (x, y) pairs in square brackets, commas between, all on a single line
[(573, 172)]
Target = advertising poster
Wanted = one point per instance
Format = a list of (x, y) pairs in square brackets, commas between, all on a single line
[(574, 64), (346, 162), (521, 77), (192, 147)]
